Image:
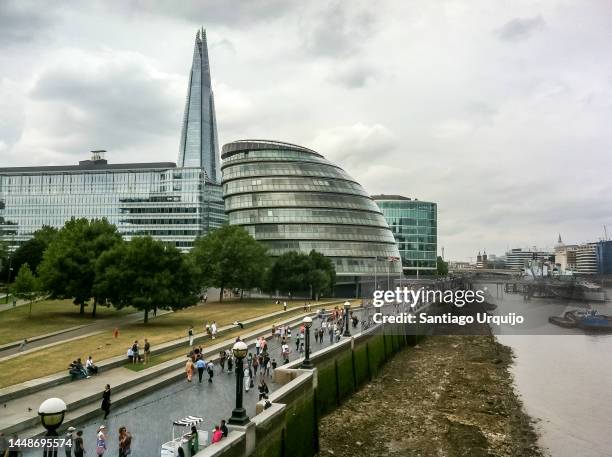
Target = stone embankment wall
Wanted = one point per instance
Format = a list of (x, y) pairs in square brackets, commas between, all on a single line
[(290, 426)]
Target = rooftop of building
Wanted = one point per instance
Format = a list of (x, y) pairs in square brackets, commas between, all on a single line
[(88, 165), (393, 197), (254, 144)]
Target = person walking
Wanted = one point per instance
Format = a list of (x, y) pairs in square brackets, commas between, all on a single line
[(284, 306), (106, 401), (247, 379), (79, 446), (125, 442), (230, 363), (222, 359), (69, 441), (263, 389), (189, 369), (101, 441), (213, 330), (210, 370), (147, 351), (190, 335), (200, 365)]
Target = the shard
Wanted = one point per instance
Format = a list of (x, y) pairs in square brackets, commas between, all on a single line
[(199, 144)]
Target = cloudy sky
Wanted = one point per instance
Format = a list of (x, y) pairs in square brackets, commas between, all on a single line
[(499, 111)]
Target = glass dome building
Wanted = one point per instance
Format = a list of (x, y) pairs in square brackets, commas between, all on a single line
[(292, 199)]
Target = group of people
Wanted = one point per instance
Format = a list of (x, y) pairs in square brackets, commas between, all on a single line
[(78, 371), (218, 433), (139, 354), (124, 438), (196, 362)]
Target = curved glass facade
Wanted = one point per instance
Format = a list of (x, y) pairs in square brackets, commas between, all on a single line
[(414, 226), (292, 199)]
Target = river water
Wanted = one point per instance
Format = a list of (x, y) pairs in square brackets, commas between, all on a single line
[(563, 376)]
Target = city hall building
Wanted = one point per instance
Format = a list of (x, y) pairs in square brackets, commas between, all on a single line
[(293, 199), (415, 228), (171, 203)]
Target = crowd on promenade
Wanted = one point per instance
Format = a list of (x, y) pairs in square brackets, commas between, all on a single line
[(257, 368)]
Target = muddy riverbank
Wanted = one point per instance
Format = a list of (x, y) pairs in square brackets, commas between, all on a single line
[(450, 396)]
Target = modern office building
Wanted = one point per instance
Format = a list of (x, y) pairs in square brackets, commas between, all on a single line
[(170, 203), (158, 199), (586, 259), (292, 199), (414, 227), (604, 257), (199, 144), (517, 259)]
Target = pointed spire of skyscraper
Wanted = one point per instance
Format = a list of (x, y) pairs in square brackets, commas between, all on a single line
[(199, 144)]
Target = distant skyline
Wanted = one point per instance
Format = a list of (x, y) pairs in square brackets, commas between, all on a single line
[(499, 113)]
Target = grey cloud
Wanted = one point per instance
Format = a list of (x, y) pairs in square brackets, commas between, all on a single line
[(23, 22), (112, 102), (520, 28), (339, 30), (353, 75), (209, 12)]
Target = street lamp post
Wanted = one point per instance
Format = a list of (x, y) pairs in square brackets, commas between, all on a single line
[(51, 412), (239, 415), (307, 364), (347, 305)]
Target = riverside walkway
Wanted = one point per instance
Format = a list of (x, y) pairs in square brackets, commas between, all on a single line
[(149, 415)]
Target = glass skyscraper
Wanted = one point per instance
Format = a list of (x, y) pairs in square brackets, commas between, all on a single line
[(199, 144), (158, 199), (414, 226), (292, 199), (170, 203)]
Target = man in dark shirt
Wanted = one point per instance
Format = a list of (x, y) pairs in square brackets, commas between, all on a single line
[(224, 429), (79, 446)]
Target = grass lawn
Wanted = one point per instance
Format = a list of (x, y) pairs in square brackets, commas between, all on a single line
[(49, 316), (158, 330)]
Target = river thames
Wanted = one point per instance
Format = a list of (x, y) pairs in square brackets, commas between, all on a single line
[(563, 377)]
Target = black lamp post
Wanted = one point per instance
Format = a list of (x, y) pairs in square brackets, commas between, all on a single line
[(51, 412), (307, 364), (347, 305), (239, 415)]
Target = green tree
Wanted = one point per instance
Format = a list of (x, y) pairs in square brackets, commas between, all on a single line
[(69, 263), (26, 285), (31, 252), (442, 267), (146, 274), (229, 257), (298, 272)]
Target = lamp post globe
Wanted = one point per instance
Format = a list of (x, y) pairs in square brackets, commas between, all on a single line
[(51, 412), (307, 364), (239, 415), (347, 306)]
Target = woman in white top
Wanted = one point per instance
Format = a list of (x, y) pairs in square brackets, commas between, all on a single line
[(247, 379)]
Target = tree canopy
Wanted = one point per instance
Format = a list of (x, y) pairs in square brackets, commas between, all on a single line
[(146, 274), (31, 252), (442, 267), (26, 285), (298, 272), (229, 257), (68, 267)]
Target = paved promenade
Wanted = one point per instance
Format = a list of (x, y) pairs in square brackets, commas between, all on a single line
[(79, 395), (149, 416)]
